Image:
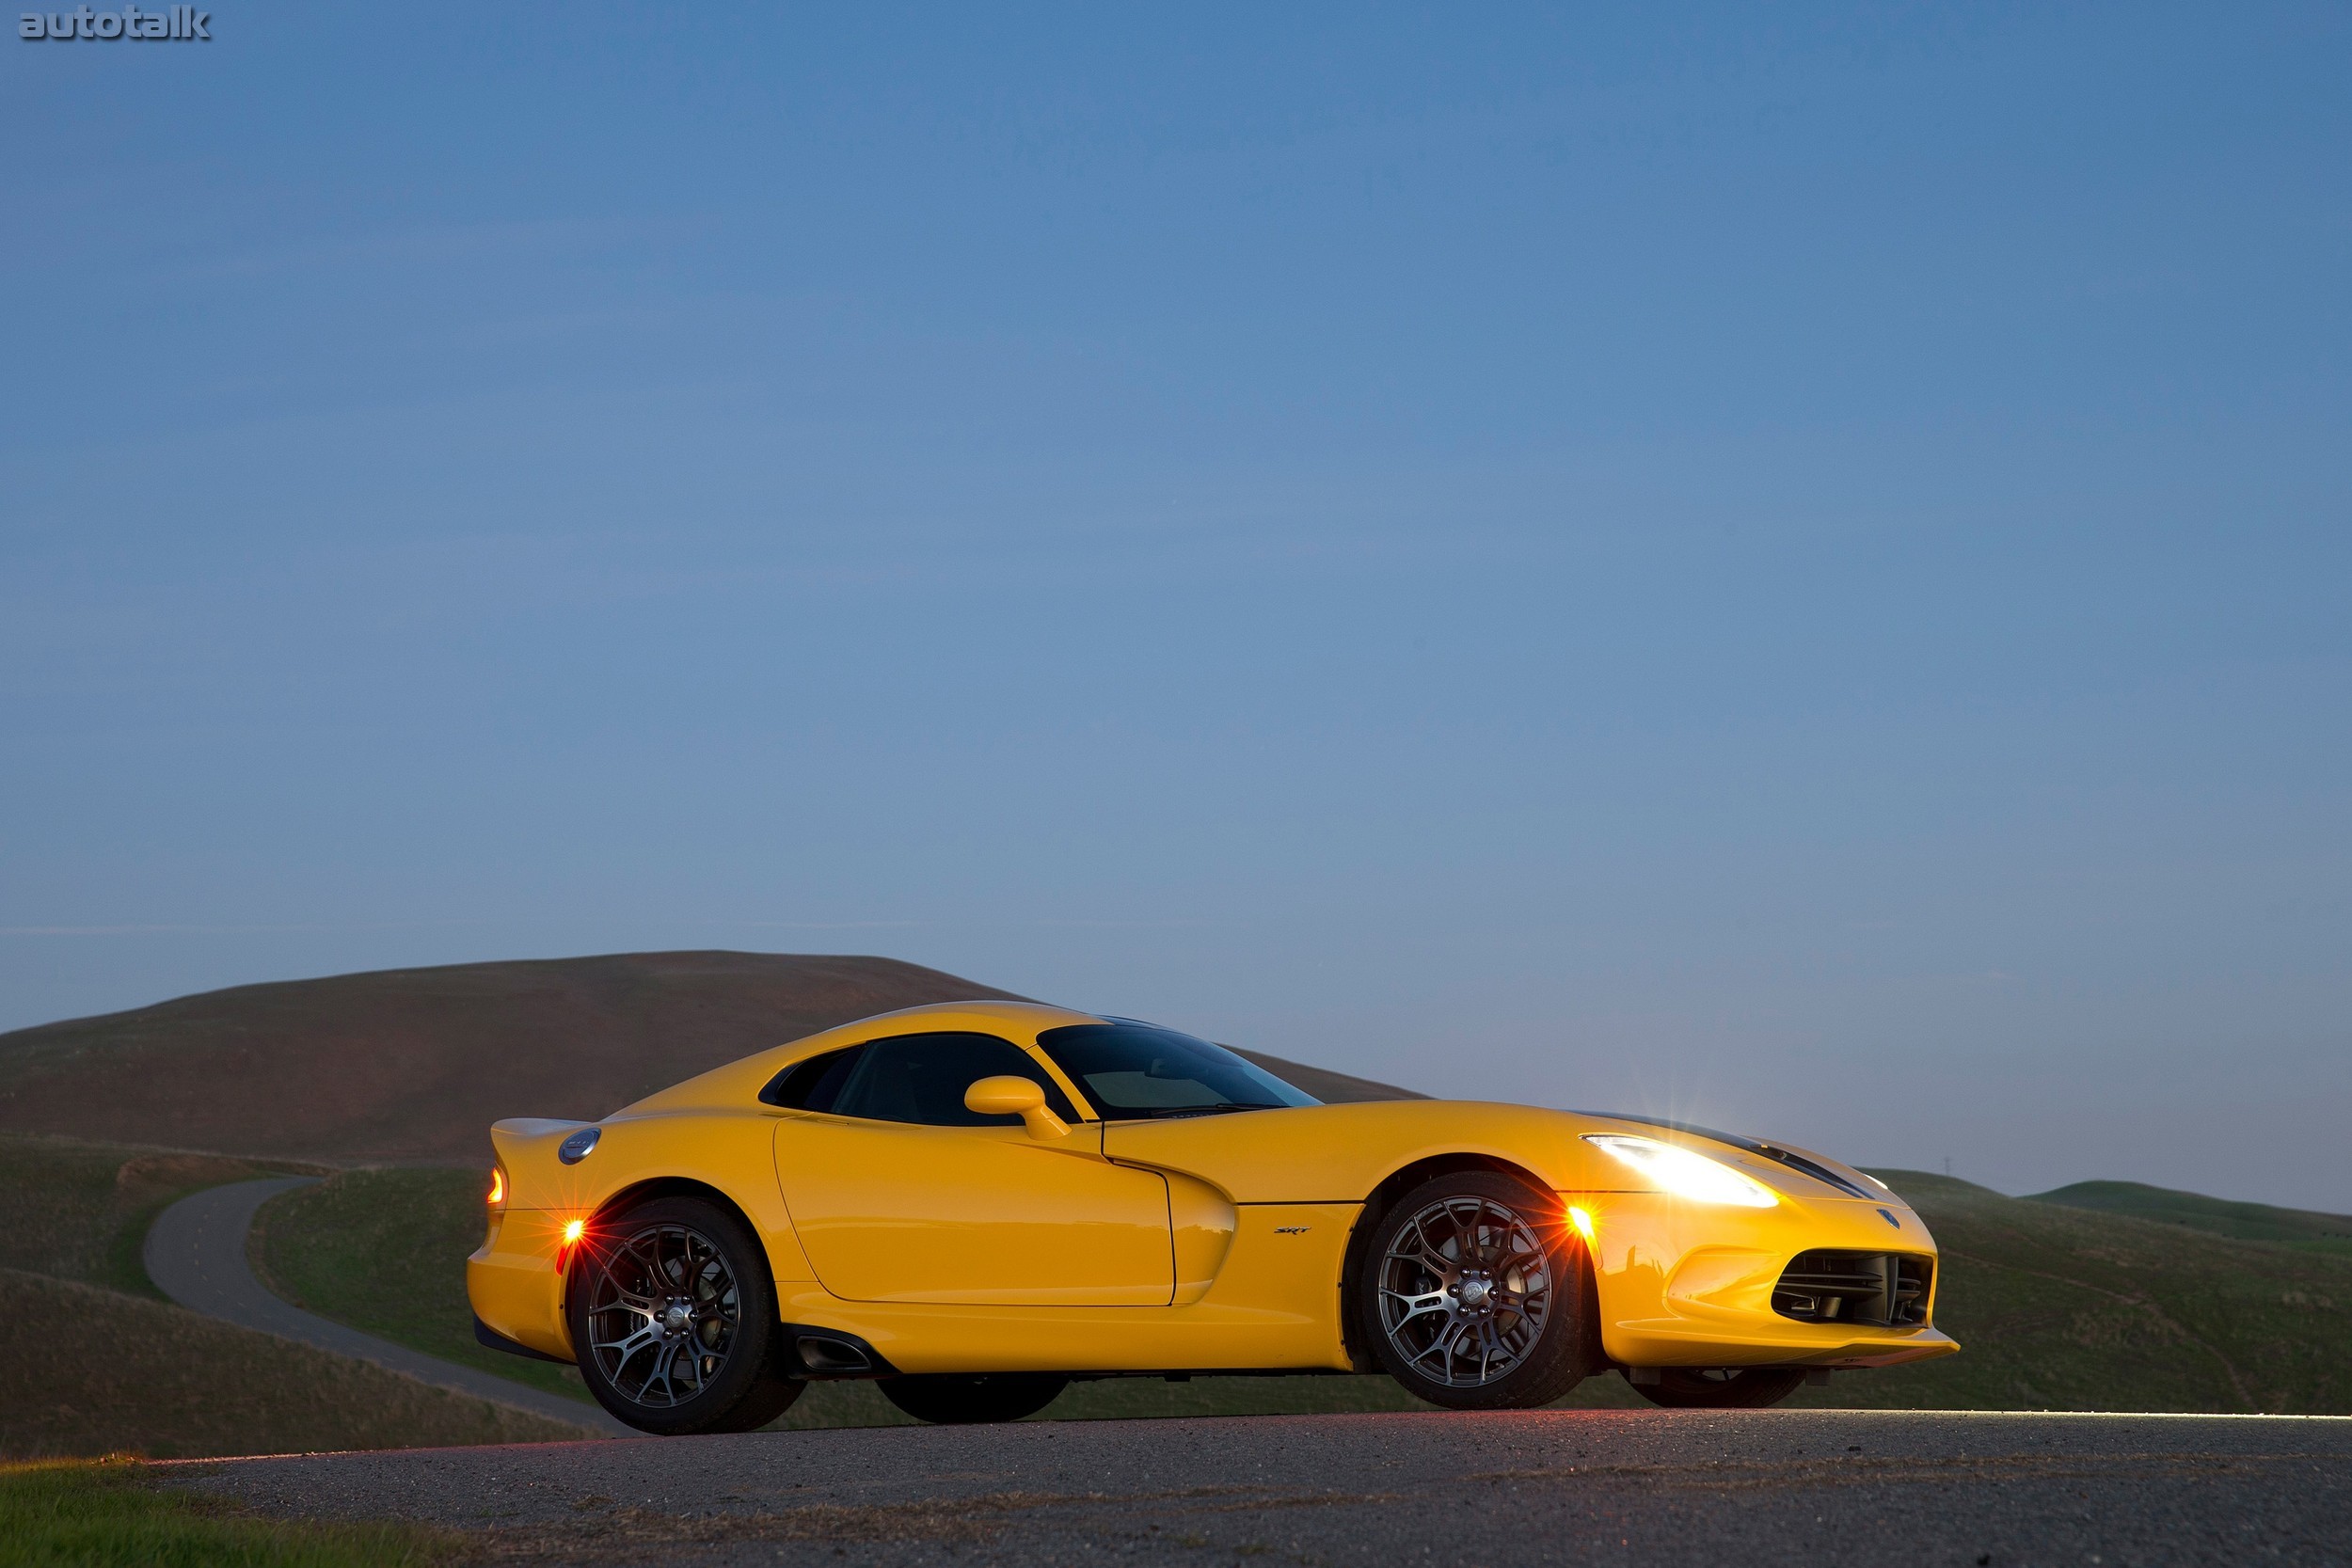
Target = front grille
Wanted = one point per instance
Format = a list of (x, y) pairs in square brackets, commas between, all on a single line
[(1884, 1290)]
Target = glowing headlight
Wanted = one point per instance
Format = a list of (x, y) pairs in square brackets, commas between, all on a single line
[(1683, 1172)]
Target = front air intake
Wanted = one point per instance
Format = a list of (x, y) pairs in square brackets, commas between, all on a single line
[(1881, 1290)]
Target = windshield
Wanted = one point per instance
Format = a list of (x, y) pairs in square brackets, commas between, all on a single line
[(1133, 1070)]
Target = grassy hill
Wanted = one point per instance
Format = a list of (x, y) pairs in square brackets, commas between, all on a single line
[(2248, 1222), (93, 1361), (85, 1370), (415, 1063), (384, 1250), (2067, 1308), (80, 1210)]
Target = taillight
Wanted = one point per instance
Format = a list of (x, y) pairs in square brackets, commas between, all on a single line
[(497, 1187)]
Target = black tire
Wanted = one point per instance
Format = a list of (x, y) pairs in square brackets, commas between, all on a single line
[(1473, 1294), (674, 1319), (954, 1399), (1721, 1387)]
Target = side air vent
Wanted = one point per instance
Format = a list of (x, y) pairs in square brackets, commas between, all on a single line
[(1882, 1290)]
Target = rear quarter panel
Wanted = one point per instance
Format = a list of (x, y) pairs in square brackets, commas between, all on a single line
[(515, 1280)]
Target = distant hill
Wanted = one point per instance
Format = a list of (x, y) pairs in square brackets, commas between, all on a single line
[(1332, 1089), (2248, 1222), (2067, 1309), (413, 1064)]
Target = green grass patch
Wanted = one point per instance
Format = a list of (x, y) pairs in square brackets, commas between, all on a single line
[(2246, 1222), (112, 1514), (80, 1210), (2066, 1308), (86, 1371), (385, 1251), (93, 1361)]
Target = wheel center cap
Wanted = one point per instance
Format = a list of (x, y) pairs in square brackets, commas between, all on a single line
[(677, 1317), (1472, 1293)]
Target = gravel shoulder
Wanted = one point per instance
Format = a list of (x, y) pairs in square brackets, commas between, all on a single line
[(1812, 1487)]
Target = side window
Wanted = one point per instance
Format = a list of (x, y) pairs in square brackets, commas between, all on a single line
[(814, 1084), (921, 1078)]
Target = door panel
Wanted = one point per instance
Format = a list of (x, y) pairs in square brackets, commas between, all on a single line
[(984, 1215)]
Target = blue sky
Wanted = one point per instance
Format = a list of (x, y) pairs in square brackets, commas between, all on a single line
[(1788, 567)]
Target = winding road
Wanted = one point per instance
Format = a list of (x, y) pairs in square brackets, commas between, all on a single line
[(195, 1254)]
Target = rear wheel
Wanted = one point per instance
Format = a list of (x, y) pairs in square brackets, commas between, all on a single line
[(1473, 1294), (1721, 1387), (953, 1400), (673, 1321)]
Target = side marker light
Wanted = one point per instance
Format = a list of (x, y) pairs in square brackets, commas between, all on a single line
[(1583, 1220), (572, 1229)]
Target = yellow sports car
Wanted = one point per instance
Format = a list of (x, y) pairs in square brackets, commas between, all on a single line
[(977, 1203)]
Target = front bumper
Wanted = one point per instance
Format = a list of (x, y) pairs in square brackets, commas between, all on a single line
[(1690, 1285)]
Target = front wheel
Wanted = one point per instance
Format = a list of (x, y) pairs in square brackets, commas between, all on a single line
[(1721, 1387), (1472, 1292), (953, 1400), (673, 1321)]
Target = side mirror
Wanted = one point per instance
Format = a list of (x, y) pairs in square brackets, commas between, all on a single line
[(1016, 1096)]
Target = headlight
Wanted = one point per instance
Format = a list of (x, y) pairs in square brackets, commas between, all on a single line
[(1684, 1172)]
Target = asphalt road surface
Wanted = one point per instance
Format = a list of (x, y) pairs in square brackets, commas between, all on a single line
[(195, 1254), (1885, 1489)]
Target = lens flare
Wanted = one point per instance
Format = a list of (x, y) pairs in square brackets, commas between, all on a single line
[(572, 1229), (1583, 1220), (1684, 1172)]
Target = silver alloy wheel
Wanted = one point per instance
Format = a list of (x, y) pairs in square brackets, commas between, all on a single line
[(664, 1315), (1465, 1291)]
